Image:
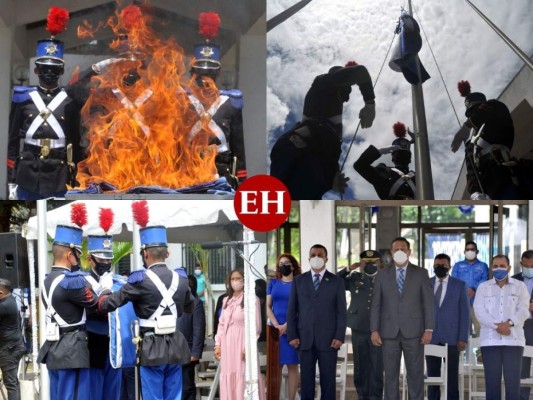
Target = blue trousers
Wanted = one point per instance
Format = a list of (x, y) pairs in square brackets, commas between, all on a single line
[(162, 382), (327, 364), (69, 384), (105, 382), (506, 359)]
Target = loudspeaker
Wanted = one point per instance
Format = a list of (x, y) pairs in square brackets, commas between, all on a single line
[(14, 259)]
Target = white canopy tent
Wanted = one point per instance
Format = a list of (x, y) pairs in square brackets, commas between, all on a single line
[(187, 221)]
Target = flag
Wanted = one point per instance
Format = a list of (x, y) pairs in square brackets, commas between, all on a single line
[(406, 49)]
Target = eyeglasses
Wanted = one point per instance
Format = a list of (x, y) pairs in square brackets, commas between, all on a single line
[(470, 249), (282, 264), (440, 265)]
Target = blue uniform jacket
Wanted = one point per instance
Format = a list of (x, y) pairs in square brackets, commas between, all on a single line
[(472, 274)]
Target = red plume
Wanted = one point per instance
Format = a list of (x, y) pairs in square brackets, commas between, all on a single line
[(131, 16), (78, 214), (399, 129), (106, 218), (209, 24), (57, 20), (351, 63), (140, 212), (464, 88)]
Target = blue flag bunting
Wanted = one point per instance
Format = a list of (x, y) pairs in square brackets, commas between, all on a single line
[(406, 50)]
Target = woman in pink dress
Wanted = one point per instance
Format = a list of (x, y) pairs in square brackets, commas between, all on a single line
[(229, 341)]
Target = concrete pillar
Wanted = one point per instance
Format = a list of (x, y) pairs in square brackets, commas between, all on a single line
[(388, 227), (317, 226)]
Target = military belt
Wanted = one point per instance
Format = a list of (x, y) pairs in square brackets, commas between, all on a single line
[(45, 152), (71, 329)]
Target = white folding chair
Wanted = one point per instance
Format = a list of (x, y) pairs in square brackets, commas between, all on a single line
[(462, 375), (476, 371), (340, 378), (433, 350), (528, 352)]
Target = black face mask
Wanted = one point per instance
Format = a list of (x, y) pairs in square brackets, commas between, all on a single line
[(440, 270), (75, 267), (99, 267), (401, 157), (49, 74), (144, 262), (285, 269), (131, 77), (370, 268)]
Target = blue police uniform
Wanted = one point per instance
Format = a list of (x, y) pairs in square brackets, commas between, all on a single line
[(66, 295), (163, 350), (471, 273)]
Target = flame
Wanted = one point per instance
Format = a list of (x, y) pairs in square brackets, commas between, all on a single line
[(140, 134)]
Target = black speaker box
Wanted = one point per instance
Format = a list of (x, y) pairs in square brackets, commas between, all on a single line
[(14, 259)]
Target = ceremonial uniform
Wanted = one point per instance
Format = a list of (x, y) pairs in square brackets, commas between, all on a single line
[(368, 359), (489, 147), (306, 157), (66, 295), (390, 183)]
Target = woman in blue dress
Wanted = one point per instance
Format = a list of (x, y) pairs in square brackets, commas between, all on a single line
[(277, 301)]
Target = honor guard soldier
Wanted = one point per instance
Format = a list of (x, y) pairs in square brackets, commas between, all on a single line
[(368, 361), (44, 134), (159, 296), (66, 296), (221, 109), (488, 134), (105, 380), (390, 183), (306, 158)]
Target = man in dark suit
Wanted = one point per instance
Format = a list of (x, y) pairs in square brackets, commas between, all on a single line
[(368, 359), (316, 323), (402, 320), (452, 322), (526, 276)]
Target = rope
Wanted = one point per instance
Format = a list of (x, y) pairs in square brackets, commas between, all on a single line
[(359, 124), (437, 64)]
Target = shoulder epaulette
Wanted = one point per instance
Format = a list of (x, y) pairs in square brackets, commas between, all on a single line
[(181, 272), (119, 278), (235, 96), (22, 93), (73, 280), (137, 276)]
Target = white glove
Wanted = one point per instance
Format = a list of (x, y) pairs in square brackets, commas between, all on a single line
[(340, 182), (387, 150), (462, 134), (479, 196), (106, 281), (12, 187), (102, 66), (367, 115)]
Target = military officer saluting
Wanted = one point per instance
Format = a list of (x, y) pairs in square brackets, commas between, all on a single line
[(159, 295), (222, 110), (368, 361), (44, 132), (66, 296)]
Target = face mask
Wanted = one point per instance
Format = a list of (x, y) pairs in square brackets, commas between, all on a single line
[(75, 267), (440, 270), (100, 267), (316, 262), (470, 255), (400, 257), (49, 75), (370, 269), (197, 272), (237, 286), (285, 269), (527, 272), (499, 274)]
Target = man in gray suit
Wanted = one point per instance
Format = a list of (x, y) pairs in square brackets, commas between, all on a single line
[(402, 319)]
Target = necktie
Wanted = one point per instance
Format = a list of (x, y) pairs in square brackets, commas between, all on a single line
[(401, 279), (438, 293), (316, 281)]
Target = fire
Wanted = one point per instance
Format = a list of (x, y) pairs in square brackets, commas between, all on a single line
[(140, 134)]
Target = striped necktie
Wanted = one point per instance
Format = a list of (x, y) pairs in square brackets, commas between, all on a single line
[(438, 293), (401, 279), (316, 281)]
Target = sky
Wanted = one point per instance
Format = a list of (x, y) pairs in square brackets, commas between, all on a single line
[(332, 32)]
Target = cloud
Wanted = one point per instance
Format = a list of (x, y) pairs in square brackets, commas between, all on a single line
[(331, 32)]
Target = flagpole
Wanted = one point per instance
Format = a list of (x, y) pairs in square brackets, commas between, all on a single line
[(424, 177), (284, 15), (523, 56)]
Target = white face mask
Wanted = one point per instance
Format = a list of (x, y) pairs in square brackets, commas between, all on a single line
[(316, 262), (400, 257), (470, 255), (237, 286)]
